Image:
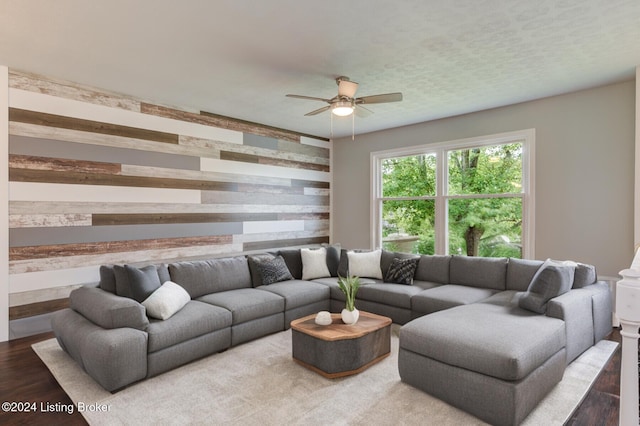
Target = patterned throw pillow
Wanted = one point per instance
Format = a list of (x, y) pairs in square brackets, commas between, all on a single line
[(402, 271), (273, 270)]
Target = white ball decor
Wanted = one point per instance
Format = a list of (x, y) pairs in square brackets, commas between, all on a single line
[(323, 318)]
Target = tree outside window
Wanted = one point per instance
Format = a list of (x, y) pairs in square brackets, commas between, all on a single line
[(482, 198)]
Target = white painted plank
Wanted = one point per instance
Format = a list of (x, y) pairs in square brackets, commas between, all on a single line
[(274, 236), (41, 280), (53, 293), (215, 165), (315, 142), (159, 172), (71, 108), (273, 226), (59, 192)]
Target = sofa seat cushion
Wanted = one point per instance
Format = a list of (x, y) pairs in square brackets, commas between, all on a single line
[(246, 304), (334, 289), (507, 343), (193, 320), (425, 285), (297, 293), (398, 295), (447, 296)]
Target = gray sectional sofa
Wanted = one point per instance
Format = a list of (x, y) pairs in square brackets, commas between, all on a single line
[(491, 336)]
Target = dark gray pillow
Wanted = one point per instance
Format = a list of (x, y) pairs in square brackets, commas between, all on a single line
[(254, 260), (293, 259), (551, 280), (122, 281), (585, 275), (402, 271), (107, 279), (143, 281), (333, 258), (273, 270)]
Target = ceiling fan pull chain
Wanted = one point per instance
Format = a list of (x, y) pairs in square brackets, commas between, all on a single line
[(353, 127), (331, 137)]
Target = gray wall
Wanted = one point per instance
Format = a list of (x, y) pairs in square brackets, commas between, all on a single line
[(584, 171)]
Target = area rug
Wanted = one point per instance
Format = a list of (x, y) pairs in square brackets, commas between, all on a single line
[(259, 383)]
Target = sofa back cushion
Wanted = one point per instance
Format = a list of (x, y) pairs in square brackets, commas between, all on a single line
[(483, 272), (520, 272), (433, 268), (202, 277)]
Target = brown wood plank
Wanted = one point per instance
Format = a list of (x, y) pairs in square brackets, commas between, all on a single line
[(38, 308), (163, 218), (62, 250), (265, 245), (62, 164), (303, 216), (310, 184), (60, 121), (26, 378), (79, 178), (249, 158)]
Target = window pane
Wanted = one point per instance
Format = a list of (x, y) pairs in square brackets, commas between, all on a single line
[(409, 176), (408, 226), (486, 170), (486, 227)]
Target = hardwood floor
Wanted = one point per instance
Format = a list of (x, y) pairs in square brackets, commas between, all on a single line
[(24, 378)]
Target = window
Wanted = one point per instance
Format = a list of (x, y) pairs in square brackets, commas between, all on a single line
[(472, 197)]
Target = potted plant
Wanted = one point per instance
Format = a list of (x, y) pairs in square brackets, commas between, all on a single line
[(349, 286)]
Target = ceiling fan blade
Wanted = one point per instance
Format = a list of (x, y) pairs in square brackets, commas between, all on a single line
[(380, 99), (311, 98), (347, 88), (318, 111), (362, 112)]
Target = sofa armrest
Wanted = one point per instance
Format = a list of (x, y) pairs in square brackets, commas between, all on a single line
[(575, 309), (108, 310)]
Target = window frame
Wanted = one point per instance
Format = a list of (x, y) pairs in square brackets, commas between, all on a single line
[(441, 149)]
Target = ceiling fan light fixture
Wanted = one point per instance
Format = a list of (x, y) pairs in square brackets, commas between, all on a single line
[(342, 108)]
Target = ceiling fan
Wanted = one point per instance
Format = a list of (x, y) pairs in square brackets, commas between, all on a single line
[(344, 103)]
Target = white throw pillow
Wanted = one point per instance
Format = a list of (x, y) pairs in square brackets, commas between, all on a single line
[(166, 301), (366, 264), (314, 263)]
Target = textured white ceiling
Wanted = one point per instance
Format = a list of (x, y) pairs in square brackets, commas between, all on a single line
[(240, 57)]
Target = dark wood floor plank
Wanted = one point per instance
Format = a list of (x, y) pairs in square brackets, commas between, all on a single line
[(24, 378)]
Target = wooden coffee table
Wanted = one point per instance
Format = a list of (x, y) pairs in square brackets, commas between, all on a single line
[(337, 349)]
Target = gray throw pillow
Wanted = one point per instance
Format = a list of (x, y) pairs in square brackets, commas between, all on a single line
[(273, 270), (107, 279), (254, 260), (143, 281), (402, 271), (585, 275), (551, 280)]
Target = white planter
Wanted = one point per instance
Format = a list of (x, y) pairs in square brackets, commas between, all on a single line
[(350, 317)]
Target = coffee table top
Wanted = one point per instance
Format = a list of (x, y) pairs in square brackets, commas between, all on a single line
[(337, 330)]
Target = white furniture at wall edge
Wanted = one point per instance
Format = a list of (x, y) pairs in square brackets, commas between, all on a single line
[(628, 312)]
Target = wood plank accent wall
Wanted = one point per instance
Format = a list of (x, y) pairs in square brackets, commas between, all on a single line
[(100, 178)]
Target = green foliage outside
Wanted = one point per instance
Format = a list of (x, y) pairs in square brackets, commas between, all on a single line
[(478, 226)]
